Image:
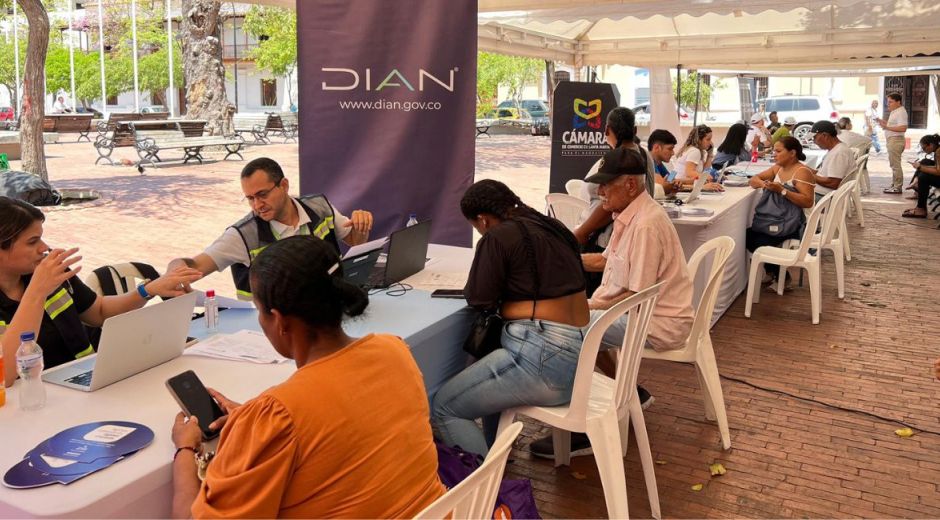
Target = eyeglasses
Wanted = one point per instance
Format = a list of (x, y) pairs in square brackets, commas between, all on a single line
[(262, 195)]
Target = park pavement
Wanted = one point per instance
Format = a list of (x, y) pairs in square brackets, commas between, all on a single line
[(812, 409)]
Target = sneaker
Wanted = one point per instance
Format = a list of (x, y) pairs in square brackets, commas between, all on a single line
[(544, 449), (646, 399), (892, 191)]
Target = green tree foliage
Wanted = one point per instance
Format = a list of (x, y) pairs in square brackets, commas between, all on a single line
[(8, 64), (515, 72), (276, 32), (688, 96)]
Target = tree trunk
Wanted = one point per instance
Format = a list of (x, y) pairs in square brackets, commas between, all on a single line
[(34, 94), (550, 81), (203, 71)]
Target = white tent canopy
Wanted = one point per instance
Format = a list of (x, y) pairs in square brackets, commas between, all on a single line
[(730, 35)]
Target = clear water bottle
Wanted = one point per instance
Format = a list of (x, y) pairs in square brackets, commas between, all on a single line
[(29, 366), (212, 312), (412, 220)]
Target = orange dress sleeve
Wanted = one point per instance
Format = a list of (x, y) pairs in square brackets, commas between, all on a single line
[(253, 463)]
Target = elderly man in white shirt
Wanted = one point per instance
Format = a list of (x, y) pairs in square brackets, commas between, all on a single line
[(894, 129), (838, 162), (861, 146)]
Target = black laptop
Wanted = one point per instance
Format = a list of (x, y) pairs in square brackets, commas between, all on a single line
[(407, 253)]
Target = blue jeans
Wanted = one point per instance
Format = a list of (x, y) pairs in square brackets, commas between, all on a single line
[(875, 143), (535, 367)]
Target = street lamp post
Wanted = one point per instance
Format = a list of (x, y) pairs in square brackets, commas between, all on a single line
[(104, 95), (134, 40)]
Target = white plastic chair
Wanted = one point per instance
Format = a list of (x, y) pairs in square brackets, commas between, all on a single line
[(785, 258), (855, 207), (565, 208), (575, 188), (698, 347), (125, 277), (835, 217), (599, 403), (475, 497)]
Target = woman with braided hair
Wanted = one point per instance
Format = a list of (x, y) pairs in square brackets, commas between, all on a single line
[(528, 268)]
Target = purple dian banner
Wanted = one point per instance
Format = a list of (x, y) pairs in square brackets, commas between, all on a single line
[(387, 103)]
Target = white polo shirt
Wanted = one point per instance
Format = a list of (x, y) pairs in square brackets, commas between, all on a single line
[(837, 163), (230, 249)]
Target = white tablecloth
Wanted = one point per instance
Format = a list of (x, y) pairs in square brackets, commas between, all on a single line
[(733, 211), (141, 485)]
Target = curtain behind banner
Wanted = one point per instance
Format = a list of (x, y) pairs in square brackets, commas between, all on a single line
[(387, 102)]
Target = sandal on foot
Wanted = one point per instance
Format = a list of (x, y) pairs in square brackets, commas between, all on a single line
[(892, 191), (913, 213)]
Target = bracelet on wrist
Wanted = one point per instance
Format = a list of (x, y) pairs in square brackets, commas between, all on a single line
[(142, 290), (181, 448)]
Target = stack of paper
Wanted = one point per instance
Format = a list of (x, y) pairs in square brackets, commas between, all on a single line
[(244, 345)]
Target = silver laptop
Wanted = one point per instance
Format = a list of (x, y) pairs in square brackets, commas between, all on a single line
[(696, 190), (130, 343)]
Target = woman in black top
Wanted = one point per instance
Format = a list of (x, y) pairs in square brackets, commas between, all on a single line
[(40, 293), (733, 149), (527, 266)]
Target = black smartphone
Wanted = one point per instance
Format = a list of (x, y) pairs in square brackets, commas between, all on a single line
[(456, 294), (194, 399)]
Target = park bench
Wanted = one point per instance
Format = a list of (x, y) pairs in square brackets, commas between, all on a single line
[(254, 124), (284, 124), (152, 139), (68, 123), (115, 118), (121, 134)]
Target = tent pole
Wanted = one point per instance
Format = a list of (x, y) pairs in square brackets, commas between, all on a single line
[(678, 91), (698, 96), (169, 54), (104, 95), (134, 43), (72, 54)]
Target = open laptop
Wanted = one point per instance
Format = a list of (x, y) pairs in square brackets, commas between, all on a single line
[(407, 253), (696, 190), (130, 343), (357, 269)]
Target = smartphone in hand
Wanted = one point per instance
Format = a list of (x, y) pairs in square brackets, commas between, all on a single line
[(194, 399)]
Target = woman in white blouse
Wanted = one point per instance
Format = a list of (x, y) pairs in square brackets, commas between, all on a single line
[(696, 155)]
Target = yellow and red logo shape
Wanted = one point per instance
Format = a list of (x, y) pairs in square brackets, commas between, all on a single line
[(587, 113)]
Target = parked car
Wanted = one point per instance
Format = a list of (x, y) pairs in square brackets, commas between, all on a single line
[(154, 109), (541, 126), (7, 114), (509, 114), (535, 107), (642, 112), (805, 109)]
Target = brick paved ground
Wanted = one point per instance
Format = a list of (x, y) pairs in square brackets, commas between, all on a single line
[(795, 452)]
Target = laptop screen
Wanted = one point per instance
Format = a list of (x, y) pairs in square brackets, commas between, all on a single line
[(407, 251)]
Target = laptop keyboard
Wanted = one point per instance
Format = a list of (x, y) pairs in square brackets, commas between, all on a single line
[(83, 379)]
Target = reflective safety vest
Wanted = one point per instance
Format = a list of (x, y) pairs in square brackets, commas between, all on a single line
[(59, 307), (257, 235)]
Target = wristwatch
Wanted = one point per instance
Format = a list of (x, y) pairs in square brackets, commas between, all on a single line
[(142, 291), (783, 191)]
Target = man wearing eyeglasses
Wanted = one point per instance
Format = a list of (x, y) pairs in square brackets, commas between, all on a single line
[(274, 215)]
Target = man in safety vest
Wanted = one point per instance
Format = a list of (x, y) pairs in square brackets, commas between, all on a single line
[(274, 215)]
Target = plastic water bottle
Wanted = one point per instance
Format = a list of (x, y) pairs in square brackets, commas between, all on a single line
[(412, 220), (212, 312), (29, 366)]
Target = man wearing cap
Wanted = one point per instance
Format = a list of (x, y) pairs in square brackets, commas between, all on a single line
[(643, 250), (758, 135), (784, 131), (838, 162)]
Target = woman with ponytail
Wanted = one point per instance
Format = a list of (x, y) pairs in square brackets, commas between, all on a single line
[(346, 436), (528, 268), (926, 175)]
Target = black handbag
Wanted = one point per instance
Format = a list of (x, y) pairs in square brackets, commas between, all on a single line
[(484, 334)]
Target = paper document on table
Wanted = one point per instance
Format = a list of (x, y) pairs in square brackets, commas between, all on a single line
[(429, 280), (362, 249), (244, 345), (224, 302)]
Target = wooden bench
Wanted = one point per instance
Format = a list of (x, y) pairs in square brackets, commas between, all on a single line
[(68, 123), (152, 139), (121, 133), (254, 124)]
